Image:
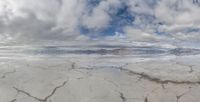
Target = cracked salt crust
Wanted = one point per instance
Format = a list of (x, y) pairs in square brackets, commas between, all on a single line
[(97, 79)]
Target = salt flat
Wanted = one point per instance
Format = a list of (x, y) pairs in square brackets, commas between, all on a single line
[(99, 78)]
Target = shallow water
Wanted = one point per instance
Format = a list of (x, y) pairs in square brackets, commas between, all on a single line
[(134, 51)]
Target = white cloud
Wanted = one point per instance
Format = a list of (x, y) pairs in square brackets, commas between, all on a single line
[(27, 20), (176, 17), (186, 16), (99, 17), (139, 35), (34, 20)]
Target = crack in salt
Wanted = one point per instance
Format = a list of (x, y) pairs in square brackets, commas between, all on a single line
[(122, 97), (47, 97), (146, 99), (14, 100), (143, 75), (7, 73)]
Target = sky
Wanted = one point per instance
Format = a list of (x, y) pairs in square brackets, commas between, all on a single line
[(29, 21)]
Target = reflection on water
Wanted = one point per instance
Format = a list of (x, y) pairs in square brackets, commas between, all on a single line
[(138, 51)]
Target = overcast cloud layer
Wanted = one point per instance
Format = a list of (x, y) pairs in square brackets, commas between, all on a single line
[(131, 20)]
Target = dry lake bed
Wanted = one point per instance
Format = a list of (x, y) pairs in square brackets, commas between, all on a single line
[(98, 77)]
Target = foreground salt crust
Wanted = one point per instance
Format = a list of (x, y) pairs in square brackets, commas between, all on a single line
[(100, 79)]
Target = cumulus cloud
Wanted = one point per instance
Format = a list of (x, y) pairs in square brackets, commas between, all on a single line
[(63, 20), (98, 18), (164, 20), (139, 35), (33, 20), (26, 20)]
